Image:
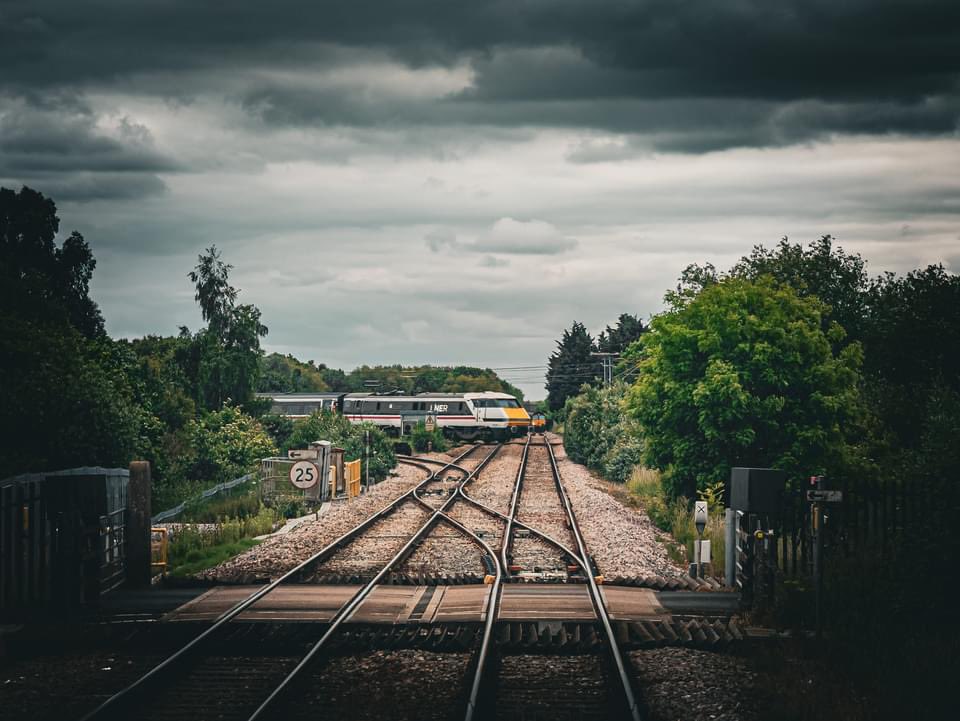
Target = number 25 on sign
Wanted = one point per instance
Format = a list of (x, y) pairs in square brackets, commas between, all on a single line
[(304, 474)]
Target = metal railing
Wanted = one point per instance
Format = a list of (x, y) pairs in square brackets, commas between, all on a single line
[(208, 493)]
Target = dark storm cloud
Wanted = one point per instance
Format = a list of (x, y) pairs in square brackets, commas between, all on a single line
[(741, 72), (54, 142)]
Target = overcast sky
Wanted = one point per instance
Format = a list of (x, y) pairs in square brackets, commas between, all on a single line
[(444, 182)]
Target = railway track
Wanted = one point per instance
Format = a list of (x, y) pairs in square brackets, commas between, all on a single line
[(438, 530), (594, 684), (215, 675)]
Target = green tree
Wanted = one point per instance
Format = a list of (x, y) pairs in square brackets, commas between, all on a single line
[(822, 270), (225, 444), (286, 374), (629, 328), (38, 280), (570, 366), (912, 347), (742, 373), (228, 349)]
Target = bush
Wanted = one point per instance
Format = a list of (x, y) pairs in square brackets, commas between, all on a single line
[(337, 429), (597, 434), (620, 461), (424, 440)]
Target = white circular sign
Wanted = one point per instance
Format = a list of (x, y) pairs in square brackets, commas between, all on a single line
[(304, 474)]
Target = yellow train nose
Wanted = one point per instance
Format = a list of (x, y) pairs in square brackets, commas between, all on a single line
[(517, 417)]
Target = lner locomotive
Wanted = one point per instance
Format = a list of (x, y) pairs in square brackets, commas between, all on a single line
[(459, 415)]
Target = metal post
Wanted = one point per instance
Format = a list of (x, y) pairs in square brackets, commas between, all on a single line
[(818, 563), (730, 547), (696, 555), (366, 484)]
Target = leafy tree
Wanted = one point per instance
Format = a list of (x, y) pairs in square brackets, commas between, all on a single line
[(743, 373), (821, 270), (286, 374), (333, 427), (63, 406), (629, 328), (570, 366), (37, 279), (228, 349), (435, 379), (912, 347), (226, 444)]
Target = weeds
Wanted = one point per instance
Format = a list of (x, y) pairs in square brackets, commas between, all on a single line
[(193, 549), (676, 518)]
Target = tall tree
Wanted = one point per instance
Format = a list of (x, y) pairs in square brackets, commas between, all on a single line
[(570, 366), (38, 279), (229, 347), (823, 270), (616, 340)]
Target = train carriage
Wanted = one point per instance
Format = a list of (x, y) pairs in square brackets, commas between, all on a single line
[(486, 414)]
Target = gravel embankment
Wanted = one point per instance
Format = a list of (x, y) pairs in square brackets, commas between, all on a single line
[(686, 684), (280, 553), (494, 486), (445, 551), (541, 686), (396, 685), (623, 541), (373, 549), (478, 522)]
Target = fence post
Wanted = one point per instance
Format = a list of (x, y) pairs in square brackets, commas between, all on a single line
[(138, 525), (730, 547)]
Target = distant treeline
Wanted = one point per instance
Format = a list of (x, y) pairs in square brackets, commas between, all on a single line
[(286, 374)]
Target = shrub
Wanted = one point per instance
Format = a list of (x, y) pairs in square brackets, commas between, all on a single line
[(423, 440), (337, 429)]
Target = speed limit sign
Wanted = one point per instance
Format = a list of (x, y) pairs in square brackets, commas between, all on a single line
[(304, 474)]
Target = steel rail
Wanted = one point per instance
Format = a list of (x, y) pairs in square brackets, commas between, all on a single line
[(514, 500), (348, 608), (570, 553), (231, 613), (595, 595), (495, 591)]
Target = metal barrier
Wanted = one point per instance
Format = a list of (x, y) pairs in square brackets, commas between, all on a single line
[(208, 493)]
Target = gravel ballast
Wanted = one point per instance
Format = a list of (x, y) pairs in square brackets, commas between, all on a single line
[(622, 540), (280, 553)]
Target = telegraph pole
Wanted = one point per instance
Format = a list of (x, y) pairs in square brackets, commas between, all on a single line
[(607, 359)]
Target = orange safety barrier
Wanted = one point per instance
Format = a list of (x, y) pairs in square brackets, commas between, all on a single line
[(351, 472), (159, 546)]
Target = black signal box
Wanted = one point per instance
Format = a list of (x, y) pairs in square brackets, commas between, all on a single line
[(757, 490)]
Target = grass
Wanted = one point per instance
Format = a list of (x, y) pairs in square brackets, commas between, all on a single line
[(200, 559), (675, 516), (192, 551)]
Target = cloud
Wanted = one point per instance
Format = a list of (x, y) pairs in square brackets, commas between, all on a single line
[(439, 239), (687, 77), (60, 144), (519, 237), (491, 261)]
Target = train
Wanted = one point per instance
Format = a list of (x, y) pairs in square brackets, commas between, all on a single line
[(465, 416)]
